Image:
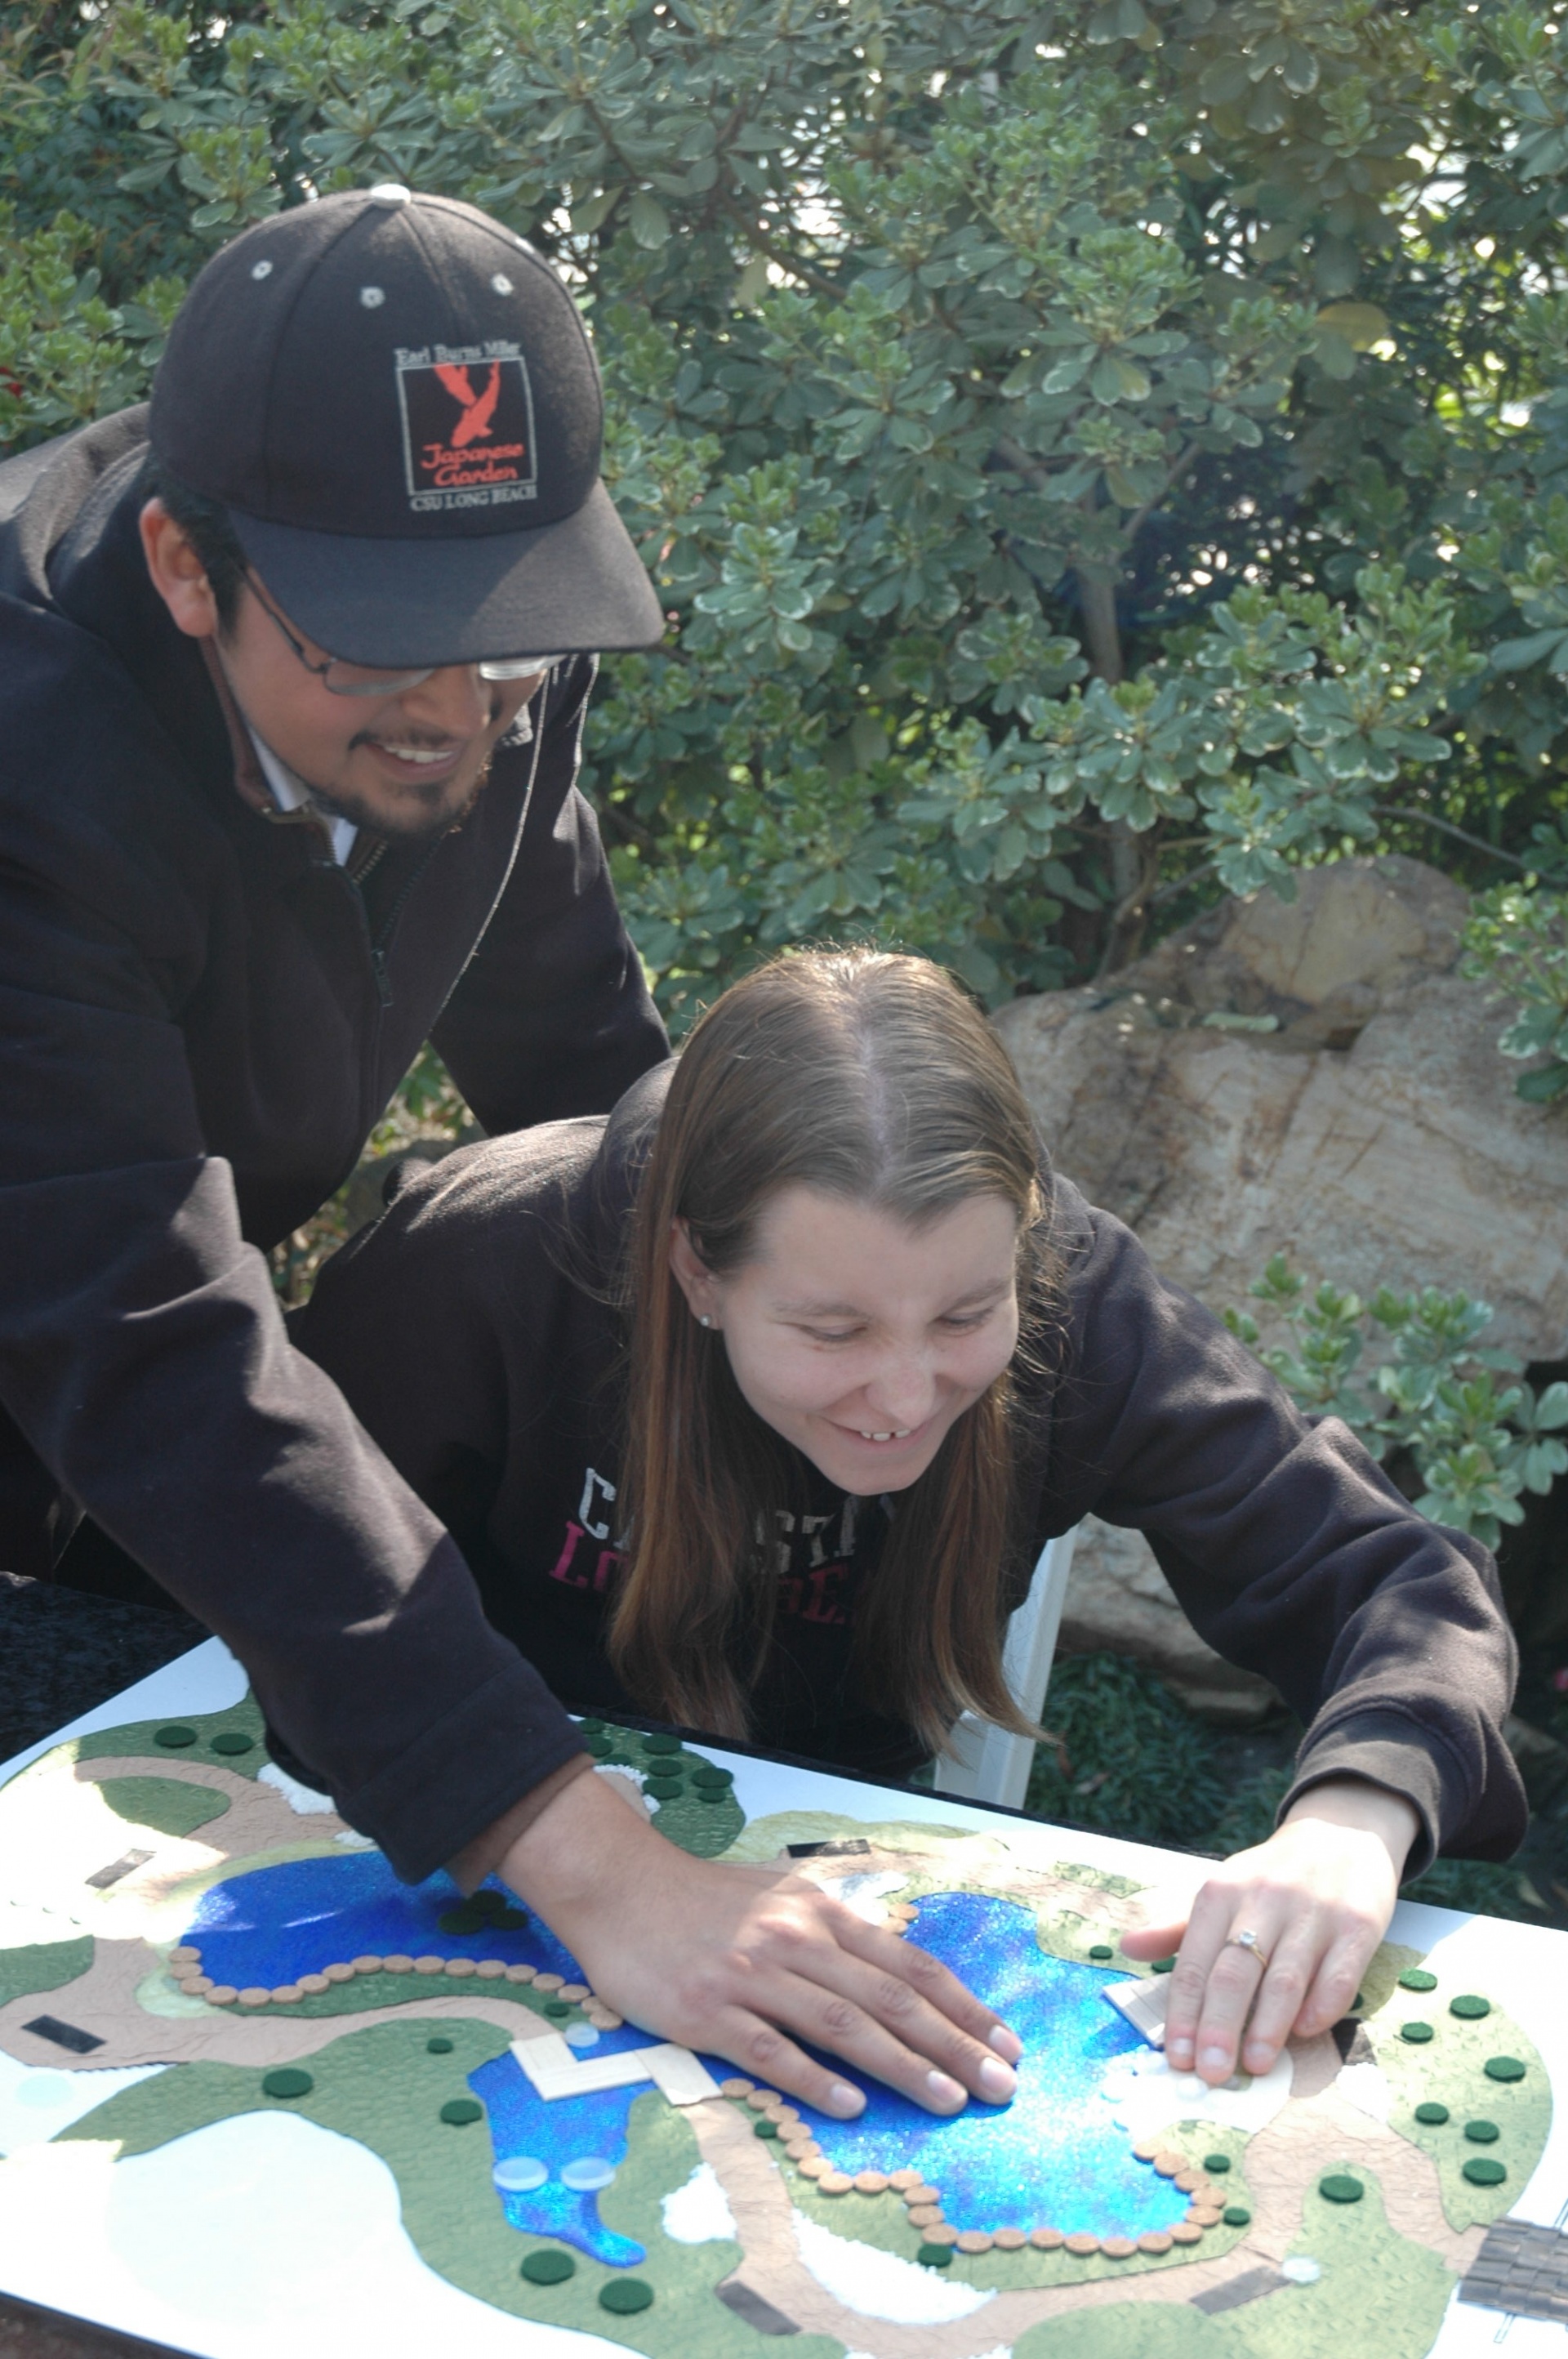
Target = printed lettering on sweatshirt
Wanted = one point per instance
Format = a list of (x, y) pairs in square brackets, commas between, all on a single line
[(811, 1552)]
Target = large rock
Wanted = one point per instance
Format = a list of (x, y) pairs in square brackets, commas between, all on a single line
[(1118, 1598), (1372, 1134)]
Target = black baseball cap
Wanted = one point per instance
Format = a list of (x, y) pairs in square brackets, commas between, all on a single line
[(395, 397)]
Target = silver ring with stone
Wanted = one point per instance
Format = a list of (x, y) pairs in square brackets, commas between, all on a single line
[(1249, 1941)]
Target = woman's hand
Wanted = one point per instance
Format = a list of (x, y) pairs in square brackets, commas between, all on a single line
[(1318, 1896), (744, 1962)]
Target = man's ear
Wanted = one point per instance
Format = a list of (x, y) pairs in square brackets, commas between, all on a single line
[(177, 574), (691, 1273)]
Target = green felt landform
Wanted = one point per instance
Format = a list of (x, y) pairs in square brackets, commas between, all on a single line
[(42, 1966), (169, 1806), (1449, 2070), (382, 2087), (137, 1740), (702, 1827), (1378, 2293)]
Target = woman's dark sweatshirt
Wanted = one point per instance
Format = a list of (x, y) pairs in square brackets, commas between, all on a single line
[(472, 1329)]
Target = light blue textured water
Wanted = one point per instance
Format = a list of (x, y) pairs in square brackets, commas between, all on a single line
[(558, 2132), (1051, 2157)]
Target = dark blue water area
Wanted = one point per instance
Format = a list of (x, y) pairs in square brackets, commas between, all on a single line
[(558, 2132), (1052, 2159), (277, 1923)]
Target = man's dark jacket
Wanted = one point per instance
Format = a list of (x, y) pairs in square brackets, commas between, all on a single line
[(201, 1016)]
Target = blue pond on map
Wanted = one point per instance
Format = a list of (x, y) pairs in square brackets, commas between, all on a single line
[(1052, 2157)]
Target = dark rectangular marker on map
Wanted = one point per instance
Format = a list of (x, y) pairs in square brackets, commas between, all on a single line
[(853, 1850), (118, 1868), (64, 2035)]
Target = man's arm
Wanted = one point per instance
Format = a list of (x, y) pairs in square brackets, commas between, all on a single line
[(552, 1016), (143, 1353)]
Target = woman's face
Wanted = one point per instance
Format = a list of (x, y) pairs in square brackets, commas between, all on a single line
[(860, 1339)]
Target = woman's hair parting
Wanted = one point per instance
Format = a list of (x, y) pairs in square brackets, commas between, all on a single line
[(872, 1078)]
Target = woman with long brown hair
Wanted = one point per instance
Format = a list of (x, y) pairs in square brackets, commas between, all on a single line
[(751, 1409)]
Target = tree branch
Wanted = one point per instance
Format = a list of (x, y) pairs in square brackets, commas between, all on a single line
[(1446, 827)]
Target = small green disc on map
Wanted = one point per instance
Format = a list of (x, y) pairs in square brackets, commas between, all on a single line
[(709, 1773), (550, 2266), (935, 2257), (712, 1793), (1101, 1950), (1338, 2187), (234, 1740), (1503, 2068), (1418, 2034), (591, 1727), (1162, 1966), (600, 1746), (558, 2008), (460, 2111), (658, 1744), (1217, 2164), (1416, 1978), (623, 2295), (1468, 2007), (440, 2046), (764, 2128), (287, 2082), (664, 1785), (1429, 2111), (174, 1739), (464, 1919), (1481, 2170), (1482, 2133), (1236, 2216)]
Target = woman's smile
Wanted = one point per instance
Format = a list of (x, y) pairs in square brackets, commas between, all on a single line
[(860, 1337)]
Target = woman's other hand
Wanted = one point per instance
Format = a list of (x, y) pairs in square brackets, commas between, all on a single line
[(1317, 1896), (746, 1963)]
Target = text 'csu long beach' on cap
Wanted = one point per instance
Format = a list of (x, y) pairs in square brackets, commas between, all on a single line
[(395, 397)]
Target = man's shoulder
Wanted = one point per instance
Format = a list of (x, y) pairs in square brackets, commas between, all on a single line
[(43, 493)]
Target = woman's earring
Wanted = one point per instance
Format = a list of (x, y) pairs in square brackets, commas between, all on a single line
[(703, 1320)]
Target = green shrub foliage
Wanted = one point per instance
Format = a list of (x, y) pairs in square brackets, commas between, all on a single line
[(1093, 455), (1477, 1444)]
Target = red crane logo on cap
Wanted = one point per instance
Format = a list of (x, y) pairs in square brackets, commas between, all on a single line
[(467, 415), (478, 409)]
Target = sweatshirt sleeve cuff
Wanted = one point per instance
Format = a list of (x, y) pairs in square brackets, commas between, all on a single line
[(1383, 1750), (484, 1854)]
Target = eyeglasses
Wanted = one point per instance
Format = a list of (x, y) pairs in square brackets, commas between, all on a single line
[(343, 679)]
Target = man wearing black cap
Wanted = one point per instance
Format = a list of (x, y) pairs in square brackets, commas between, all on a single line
[(292, 680), (289, 711)]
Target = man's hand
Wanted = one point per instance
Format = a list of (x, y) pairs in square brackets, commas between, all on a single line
[(745, 1962), (1318, 1896)]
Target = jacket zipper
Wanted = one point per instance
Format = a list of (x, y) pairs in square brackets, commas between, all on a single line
[(382, 943)]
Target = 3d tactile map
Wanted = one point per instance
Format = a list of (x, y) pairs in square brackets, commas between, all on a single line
[(192, 1947)]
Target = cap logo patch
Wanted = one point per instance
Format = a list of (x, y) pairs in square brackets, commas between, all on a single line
[(468, 426)]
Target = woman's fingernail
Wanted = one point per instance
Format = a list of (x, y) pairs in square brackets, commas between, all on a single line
[(997, 2079), (844, 2100), (945, 2091), (1179, 2052), (1007, 2045), (1216, 2059)]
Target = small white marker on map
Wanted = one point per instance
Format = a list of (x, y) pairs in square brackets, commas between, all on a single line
[(1143, 2005)]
